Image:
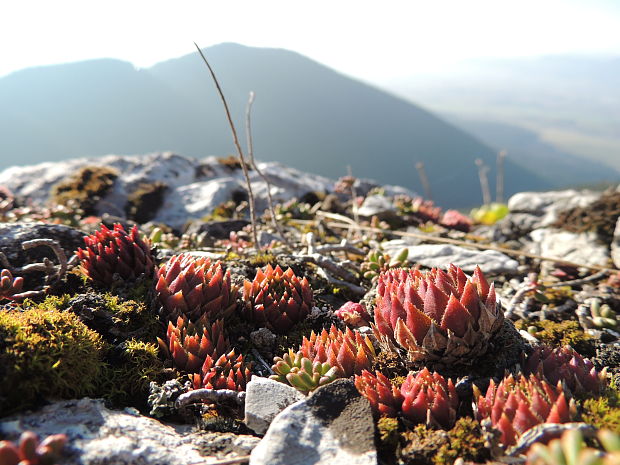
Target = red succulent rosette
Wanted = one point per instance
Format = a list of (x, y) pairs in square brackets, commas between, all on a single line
[(438, 315), (110, 252), (193, 287), (516, 405), (277, 299)]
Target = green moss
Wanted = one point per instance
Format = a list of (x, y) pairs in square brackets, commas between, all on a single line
[(222, 212), (45, 354), (420, 445), (603, 411), (143, 203), (389, 436), (555, 334), (131, 317), (84, 188), (262, 259), (52, 302), (129, 375), (464, 440)]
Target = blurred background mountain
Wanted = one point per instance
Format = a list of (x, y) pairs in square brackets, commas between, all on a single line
[(311, 117)]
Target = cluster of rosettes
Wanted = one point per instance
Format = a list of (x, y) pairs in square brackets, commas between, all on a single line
[(516, 405), (348, 351), (198, 295), (423, 398), (323, 357), (192, 287), (115, 252), (418, 208), (377, 262), (437, 315), (277, 299), (9, 286), (563, 364), (30, 451), (229, 371), (301, 373), (189, 344)]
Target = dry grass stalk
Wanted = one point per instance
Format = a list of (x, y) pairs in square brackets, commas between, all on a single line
[(248, 132), (238, 146)]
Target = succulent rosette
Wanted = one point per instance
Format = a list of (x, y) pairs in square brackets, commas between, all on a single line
[(438, 315), (347, 350), (353, 314), (423, 398), (563, 364), (9, 286), (111, 252), (454, 219), (189, 344), (229, 371), (30, 451), (429, 399), (193, 287), (277, 299), (301, 373), (516, 405)]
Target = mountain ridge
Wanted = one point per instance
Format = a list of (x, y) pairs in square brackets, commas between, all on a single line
[(306, 115)]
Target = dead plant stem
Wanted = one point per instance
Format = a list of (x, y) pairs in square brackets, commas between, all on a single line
[(238, 146)]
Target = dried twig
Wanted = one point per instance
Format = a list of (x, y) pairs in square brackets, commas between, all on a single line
[(262, 361), (353, 196), (484, 181), (530, 284), (248, 132), (424, 179), (355, 289), (579, 282), (344, 246), (538, 432), (197, 396), (499, 177), (445, 240), (238, 146), (58, 251), (52, 273)]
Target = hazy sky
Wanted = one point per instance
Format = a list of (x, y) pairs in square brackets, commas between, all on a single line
[(370, 40)]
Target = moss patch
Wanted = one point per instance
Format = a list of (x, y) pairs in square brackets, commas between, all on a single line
[(84, 188), (464, 440), (131, 370), (143, 203), (604, 411), (560, 334), (45, 354)]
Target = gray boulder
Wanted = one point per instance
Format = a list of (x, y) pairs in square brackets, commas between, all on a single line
[(100, 436), (265, 398), (583, 248), (333, 426), (195, 187)]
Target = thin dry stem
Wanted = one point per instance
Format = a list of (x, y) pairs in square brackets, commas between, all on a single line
[(445, 240), (248, 131), (237, 145), (197, 396)]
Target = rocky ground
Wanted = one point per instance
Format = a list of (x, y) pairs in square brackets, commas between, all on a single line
[(79, 351)]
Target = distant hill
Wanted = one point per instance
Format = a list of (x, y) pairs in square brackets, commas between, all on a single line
[(527, 149), (571, 102), (305, 115)]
